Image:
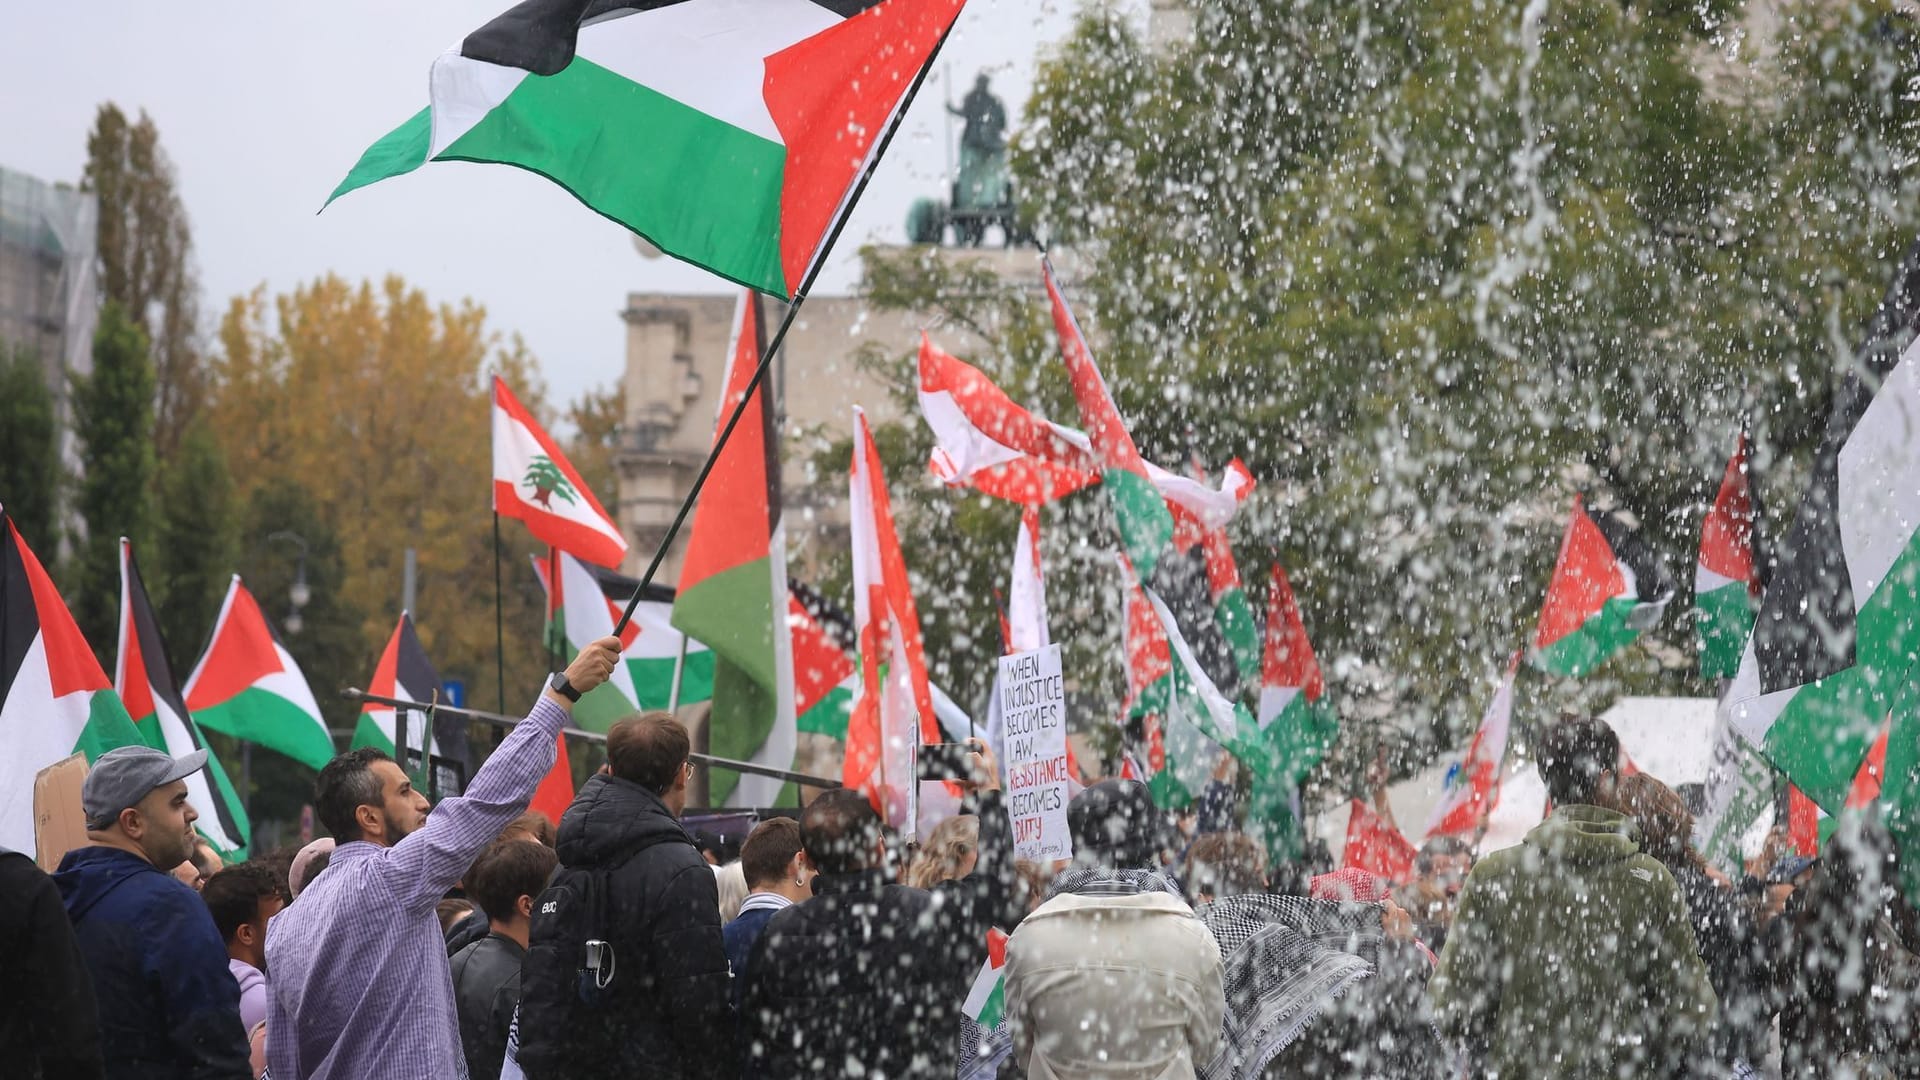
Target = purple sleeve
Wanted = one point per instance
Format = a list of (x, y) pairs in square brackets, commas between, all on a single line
[(420, 869)]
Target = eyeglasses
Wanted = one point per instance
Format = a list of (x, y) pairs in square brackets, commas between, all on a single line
[(689, 768)]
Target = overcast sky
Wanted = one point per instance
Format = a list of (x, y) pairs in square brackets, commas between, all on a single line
[(263, 107)]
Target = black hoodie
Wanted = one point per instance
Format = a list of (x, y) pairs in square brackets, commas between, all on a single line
[(668, 1011)]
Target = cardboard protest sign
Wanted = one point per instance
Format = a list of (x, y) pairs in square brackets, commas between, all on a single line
[(1033, 706), (59, 824)]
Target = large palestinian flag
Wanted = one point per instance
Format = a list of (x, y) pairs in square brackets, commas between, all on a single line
[(1833, 650), (247, 685), (144, 680), (1472, 786), (1726, 582), (54, 699), (1607, 587), (893, 704), (403, 671), (586, 608), (733, 585), (730, 133)]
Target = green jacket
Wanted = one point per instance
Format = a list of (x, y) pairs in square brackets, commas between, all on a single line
[(1571, 957)]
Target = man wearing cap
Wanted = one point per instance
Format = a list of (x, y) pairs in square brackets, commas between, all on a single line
[(168, 1004), (1113, 976), (361, 986)]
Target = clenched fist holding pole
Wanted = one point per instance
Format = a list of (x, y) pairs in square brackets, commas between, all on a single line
[(592, 667)]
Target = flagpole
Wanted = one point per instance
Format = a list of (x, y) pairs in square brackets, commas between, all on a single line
[(555, 650), (779, 336), (499, 625), (679, 669)]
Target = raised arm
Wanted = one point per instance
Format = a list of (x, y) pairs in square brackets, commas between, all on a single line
[(428, 861)]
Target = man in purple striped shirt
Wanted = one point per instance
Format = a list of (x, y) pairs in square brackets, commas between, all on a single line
[(360, 984)]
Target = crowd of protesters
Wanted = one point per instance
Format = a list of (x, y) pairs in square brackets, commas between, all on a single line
[(474, 939)]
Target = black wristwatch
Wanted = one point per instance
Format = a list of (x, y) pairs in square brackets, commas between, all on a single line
[(559, 685)]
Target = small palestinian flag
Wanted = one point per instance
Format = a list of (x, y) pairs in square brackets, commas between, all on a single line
[(586, 608), (824, 672), (1607, 588), (730, 133), (247, 685), (1231, 609), (144, 680), (1177, 720), (534, 481), (1472, 787), (987, 997), (404, 671), (893, 705), (1295, 727), (733, 585), (1832, 655), (1726, 583), (54, 699)]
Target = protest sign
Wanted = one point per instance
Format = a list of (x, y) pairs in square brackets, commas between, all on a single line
[(59, 824), (1033, 706)]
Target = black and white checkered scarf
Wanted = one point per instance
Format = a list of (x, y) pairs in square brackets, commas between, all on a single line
[(1283, 962)]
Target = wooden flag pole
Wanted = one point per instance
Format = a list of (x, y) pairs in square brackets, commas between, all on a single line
[(779, 336)]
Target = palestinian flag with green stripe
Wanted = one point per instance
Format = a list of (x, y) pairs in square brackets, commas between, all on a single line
[(1296, 725), (733, 585), (729, 133), (1607, 588), (248, 686), (404, 671), (1177, 721), (144, 680), (1834, 647), (55, 700), (586, 608), (824, 672), (1726, 582)]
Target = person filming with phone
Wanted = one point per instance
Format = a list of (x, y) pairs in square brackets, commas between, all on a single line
[(868, 976)]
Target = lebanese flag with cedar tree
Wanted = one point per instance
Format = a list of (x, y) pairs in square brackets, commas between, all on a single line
[(729, 133), (144, 680), (1473, 787), (55, 700), (534, 481), (893, 709), (1607, 587)]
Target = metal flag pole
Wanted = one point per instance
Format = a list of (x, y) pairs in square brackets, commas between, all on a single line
[(499, 625), (779, 336), (679, 671)]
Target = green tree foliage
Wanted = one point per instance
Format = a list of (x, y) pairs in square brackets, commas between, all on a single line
[(29, 448), (146, 260), (113, 419), (195, 549), (1430, 269)]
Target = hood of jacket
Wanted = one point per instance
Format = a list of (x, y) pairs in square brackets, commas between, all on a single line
[(88, 874), (1585, 835), (611, 819)]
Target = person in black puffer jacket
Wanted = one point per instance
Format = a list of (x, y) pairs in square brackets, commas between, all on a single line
[(867, 977), (660, 1004)]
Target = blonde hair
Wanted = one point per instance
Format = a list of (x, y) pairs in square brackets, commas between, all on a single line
[(945, 852), (731, 883)]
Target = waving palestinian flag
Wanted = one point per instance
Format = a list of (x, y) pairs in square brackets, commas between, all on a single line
[(1296, 725), (54, 699), (1177, 720), (247, 685), (1607, 588), (1833, 650), (403, 671), (144, 680), (1473, 786), (1726, 583), (893, 705), (534, 481), (824, 671), (730, 133), (585, 609), (733, 584)]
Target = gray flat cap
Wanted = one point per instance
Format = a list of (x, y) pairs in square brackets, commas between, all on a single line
[(123, 776)]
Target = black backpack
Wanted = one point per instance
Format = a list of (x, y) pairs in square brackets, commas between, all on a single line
[(568, 978)]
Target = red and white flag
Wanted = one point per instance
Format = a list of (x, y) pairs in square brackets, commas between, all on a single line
[(534, 481), (893, 706), (1473, 786), (1375, 846)]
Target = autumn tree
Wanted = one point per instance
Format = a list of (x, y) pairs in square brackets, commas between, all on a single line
[(596, 416), (29, 448), (113, 421), (373, 404), (146, 260)]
